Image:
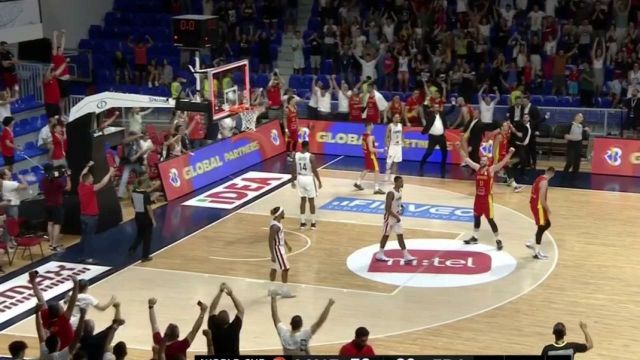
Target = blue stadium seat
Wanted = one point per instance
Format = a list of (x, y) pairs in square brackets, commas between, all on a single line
[(605, 102), (537, 100), (564, 101), (504, 100), (386, 95), (326, 67), (303, 93), (550, 101), (262, 80), (307, 80), (295, 82), (313, 24), (396, 93), (575, 101)]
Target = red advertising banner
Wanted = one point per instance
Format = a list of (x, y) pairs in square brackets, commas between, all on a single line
[(211, 163), (615, 156)]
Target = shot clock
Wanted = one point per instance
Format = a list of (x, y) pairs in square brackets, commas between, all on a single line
[(193, 31)]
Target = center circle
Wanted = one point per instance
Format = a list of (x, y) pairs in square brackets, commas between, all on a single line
[(440, 263)]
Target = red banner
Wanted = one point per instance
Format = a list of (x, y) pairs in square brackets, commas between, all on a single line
[(614, 156)]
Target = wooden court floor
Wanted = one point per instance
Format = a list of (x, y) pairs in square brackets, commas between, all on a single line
[(594, 278)]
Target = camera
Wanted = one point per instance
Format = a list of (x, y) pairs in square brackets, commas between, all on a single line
[(57, 172)]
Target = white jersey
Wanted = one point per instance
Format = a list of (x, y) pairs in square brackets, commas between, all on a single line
[(390, 223), (279, 241), (303, 164), (396, 134), (294, 343)]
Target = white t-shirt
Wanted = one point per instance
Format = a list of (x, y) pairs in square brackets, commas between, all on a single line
[(536, 20), (359, 45), (294, 343), (5, 110), (388, 29), (85, 301), (324, 102), (486, 112), (45, 136), (438, 128), (60, 355), (10, 192), (369, 69), (508, 15), (343, 102), (135, 122)]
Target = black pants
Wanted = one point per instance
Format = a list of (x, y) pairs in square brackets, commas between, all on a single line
[(533, 152), (574, 149), (586, 98), (474, 150), (523, 159), (441, 142), (144, 232)]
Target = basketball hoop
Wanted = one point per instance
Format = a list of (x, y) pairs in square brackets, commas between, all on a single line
[(249, 116)]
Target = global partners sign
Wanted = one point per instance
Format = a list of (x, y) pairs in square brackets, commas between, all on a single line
[(206, 165), (413, 210)]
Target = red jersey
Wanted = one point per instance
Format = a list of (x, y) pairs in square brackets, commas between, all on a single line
[(365, 145), (484, 183), (58, 61), (61, 327), (7, 135), (503, 146), (274, 96), (140, 55), (58, 143), (198, 131), (373, 113), (352, 349), (395, 108), (51, 91), (468, 110), (535, 191), (88, 199), (355, 108), (292, 118), (412, 111)]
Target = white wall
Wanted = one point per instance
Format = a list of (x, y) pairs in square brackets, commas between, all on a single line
[(75, 16)]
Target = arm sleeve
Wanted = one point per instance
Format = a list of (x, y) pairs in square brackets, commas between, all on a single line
[(579, 348)]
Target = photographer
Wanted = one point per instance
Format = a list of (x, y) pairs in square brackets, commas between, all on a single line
[(53, 187)]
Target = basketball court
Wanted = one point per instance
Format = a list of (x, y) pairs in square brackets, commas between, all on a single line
[(455, 299)]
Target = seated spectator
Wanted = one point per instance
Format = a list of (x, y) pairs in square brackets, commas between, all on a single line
[(11, 196), (153, 69), (5, 103), (121, 68), (166, 75), (358, 346)]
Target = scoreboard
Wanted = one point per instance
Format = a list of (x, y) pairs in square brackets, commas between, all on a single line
[(402, 357)]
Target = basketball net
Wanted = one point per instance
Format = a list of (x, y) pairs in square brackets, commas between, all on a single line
[(248, 115)]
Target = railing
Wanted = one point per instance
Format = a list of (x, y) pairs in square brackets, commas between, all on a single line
[(30, 77)]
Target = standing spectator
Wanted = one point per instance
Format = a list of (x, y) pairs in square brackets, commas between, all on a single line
[(535, 119), (85, 301), (96, 346), (368, 64), (297, 46), (121, 67), (324, 100), (315, 52), (133, 160), (197, 130), (295, 341), (8, 145), (59, 61), (135, 119), (574, 145), (264, 52), (559, 63), (561, 347), (522, 132), (358, 347), (50, 345), (145, 221), (586, 85), (388, 70), (53, 186), (89, 209), (435, 126), (597, 56), (585, 39), (140, 57), (487, 106), (9, 75), (632, 122), (5, 103), (535, 19), (600, 19), (274, 95), (621, 15), (51, 90), (166, 75), (225, 335), (175, 348), (342, 93), (345, 65), (58, 148), (572, 81)]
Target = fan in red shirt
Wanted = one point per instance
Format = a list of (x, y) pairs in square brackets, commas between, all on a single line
[(413, 110), (51, 90), (197, 130), (54, 319), (8, 145), (58, 151), (291, 126), (355, 106), (396, 107), (274, 96), (59, 61), (358, 346), (174, 347), (140, 57), (371, 105)]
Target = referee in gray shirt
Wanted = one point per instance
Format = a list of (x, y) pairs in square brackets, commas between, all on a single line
[(574, 144), (145, 222)]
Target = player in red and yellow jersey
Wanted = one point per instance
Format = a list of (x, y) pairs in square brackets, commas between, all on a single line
[(540, 210), (291, 126), (396, 107), (500, 150), (371, 104), (483, 204), (370, 160), (355, 106)]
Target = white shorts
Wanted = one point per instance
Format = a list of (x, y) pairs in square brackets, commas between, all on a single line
[(307, 186), (280, 255), (392, 226), (395, 154)]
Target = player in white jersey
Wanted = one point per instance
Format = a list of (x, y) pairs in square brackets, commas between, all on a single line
[(392, 211), (394, 146), (295, 340), (278, 248), (305, 174)]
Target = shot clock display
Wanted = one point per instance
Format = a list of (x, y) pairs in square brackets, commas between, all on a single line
[(193, 31)]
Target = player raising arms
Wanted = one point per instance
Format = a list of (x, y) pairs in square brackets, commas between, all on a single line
[(540, 210), (305, 174), (393, 140), (483, 204), (291, 126), (370, 160), (392, 212), (277, 246), (500, 149)]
